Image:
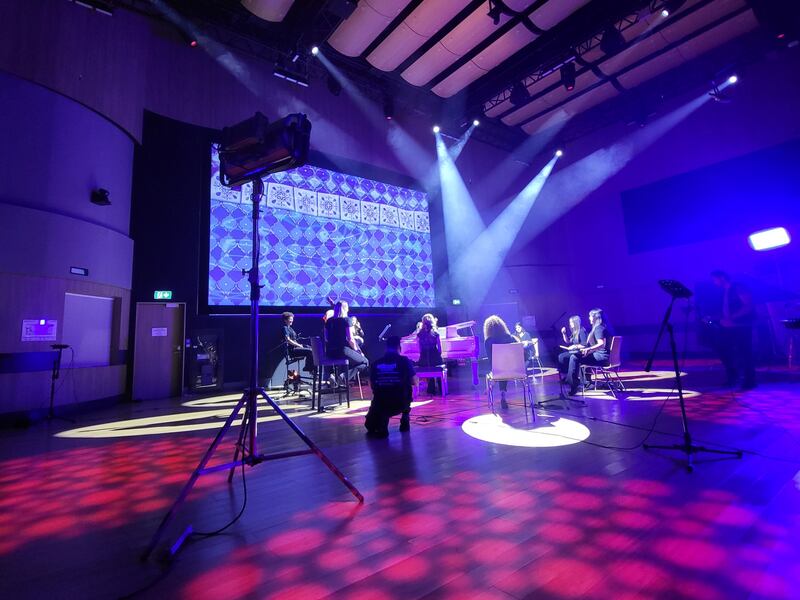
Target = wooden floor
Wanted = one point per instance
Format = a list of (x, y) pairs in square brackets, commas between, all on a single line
[(446, 515)]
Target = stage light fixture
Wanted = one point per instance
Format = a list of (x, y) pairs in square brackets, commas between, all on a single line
[(733, 79), (769, 239), (388, 107), (436, 129), (519, 94), (254, 148), (559, 153), (671, 6), (475, 122), (100, 197), (612, 40), (568, 76), (314, 50), (495, 10), (290, 76)]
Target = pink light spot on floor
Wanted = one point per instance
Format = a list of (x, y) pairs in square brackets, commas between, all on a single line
[(639, 574), (418, 524), (578, 501), (295, 543), (410, 569), (693, 554), (647, 488), (633, 519), (560, 533), (224, 582), (423, 493)]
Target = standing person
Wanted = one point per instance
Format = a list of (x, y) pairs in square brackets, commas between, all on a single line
[(339, 342), (735, 341), (392, 379), (574, 339), (495, 331), (294, 348), (594, 352), (430, 347)]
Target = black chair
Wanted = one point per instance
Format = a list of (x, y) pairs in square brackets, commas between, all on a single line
[(291, 360), (337, 365)]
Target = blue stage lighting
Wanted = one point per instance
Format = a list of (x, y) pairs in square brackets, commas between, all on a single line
[(559, 153), (436, 129), (314, 50), (475, 122), (769, 239), (733, 79)]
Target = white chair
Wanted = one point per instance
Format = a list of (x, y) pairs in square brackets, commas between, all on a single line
[(508, 364), (321, 360), (610, 372)]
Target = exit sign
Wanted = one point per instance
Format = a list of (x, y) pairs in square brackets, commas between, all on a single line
[(162, 295)]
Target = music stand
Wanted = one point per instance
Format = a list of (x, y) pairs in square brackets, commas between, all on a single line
[(677, 291), (55, 374)]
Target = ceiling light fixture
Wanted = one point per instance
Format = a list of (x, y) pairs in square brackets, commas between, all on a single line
[(568, 76)]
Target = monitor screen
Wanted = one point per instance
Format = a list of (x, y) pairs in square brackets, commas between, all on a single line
[(322, 234)]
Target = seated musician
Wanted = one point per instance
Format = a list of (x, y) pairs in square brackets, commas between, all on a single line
[(495, 331), (357, 332), (339, 342), (430, 348), (393, 380), (523, 336), (574, 339), (594, 352), (294, 348)]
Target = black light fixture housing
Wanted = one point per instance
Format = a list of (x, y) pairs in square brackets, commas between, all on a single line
[(334, 87), (612, 40), (99, 196), (495, 10), (519, 94), (254, 148), (568, 76)]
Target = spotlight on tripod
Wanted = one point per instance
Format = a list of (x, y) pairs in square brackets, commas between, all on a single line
[(249, 151)]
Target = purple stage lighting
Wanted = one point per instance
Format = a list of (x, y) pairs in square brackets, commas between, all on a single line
[(733, 79), (475, 122), (559, 153), (769, 239), (436, 129)]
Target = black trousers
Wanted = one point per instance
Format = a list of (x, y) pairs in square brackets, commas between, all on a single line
[(295, 353), (575, 362), (736, 353), (377, 419), (356, 362)]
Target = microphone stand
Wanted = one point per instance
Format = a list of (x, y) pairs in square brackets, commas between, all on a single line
[(55, 374), (687, 446)]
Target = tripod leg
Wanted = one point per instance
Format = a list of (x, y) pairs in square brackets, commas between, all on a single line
[(192, 479), (239, 445), (313, 447)]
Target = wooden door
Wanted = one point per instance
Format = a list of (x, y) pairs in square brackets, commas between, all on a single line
[(158, 350)]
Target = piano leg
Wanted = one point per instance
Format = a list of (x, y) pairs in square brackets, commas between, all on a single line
[(474, 364)]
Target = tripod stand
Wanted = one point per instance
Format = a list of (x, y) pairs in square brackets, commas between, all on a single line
[(678, 290), (247, 444)]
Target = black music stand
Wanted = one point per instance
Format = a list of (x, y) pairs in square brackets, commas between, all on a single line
[(677, 290), (55, 374)]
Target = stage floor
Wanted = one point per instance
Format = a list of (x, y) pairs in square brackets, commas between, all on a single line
[(465, 505)]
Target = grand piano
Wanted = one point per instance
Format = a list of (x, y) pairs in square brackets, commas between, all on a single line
[(459, 342)]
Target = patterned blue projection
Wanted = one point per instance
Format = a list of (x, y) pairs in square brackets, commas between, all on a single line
[(322, 233)]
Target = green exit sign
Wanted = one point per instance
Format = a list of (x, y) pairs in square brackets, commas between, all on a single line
[(162, 295)]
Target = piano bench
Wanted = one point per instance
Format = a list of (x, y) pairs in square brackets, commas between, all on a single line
[(434, 373)]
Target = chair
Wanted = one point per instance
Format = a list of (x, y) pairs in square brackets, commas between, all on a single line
[(292, 360), (322, 361), (537, 362), (508, 364), (437, 372), (610, 372)]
